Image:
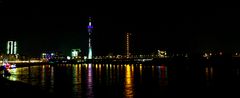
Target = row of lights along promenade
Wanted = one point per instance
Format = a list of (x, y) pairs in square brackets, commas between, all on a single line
[(146, 59)]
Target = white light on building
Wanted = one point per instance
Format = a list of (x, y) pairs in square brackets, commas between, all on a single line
[(44, 55), (162, 53), (68, 57), (75, 53), (11, 47), (52, 54)]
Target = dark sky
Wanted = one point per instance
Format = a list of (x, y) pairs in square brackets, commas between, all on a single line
[(61, 25)]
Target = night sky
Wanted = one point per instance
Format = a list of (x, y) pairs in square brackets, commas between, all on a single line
[(44, 26)]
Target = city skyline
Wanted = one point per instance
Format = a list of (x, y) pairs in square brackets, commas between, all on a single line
[(38, 29)]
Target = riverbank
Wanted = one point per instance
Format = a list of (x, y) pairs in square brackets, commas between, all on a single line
[(13, 89)]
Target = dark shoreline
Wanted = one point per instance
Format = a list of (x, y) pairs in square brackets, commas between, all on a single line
[(13, 89)]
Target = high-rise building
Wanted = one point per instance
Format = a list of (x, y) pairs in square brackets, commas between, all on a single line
[(128, 44), (76, 53), (162, 53), (11, 47), (90, 28)]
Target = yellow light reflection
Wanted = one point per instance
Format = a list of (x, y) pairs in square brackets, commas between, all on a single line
[(14, 76), (79, 73), (114, 67), (132, 67), (128, 82), (100, 66), (110, 74), (206, 70), (96, 66), (140, 70), (100, 72), (209, 72), (76, 79), (43, 74)]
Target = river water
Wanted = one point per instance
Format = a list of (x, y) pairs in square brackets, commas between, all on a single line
[(128, 80)]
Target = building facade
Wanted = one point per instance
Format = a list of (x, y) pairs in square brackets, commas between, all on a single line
[(12, 47), (76, 53)]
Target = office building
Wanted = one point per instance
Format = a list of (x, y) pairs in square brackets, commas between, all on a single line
[(11, 47)]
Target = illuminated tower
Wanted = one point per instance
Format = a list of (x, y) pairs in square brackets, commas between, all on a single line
[(11, 47), (127, 45), (90, 27)]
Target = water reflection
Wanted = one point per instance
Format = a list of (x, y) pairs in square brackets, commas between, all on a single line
[(97, 80), (238, 72), (163, 75), (140, 69), (90, 82), (107, 73), (163, 72), (52, 79), (77, 80), (128, 92), (19, 74), (100, 72), (43, 75), (14, 76), (110, 74), (209, 72)]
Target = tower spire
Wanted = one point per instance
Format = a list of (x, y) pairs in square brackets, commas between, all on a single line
[(90, 27)]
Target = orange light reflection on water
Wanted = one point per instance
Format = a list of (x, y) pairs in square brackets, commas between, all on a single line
[(209, 73), (128, 92)]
